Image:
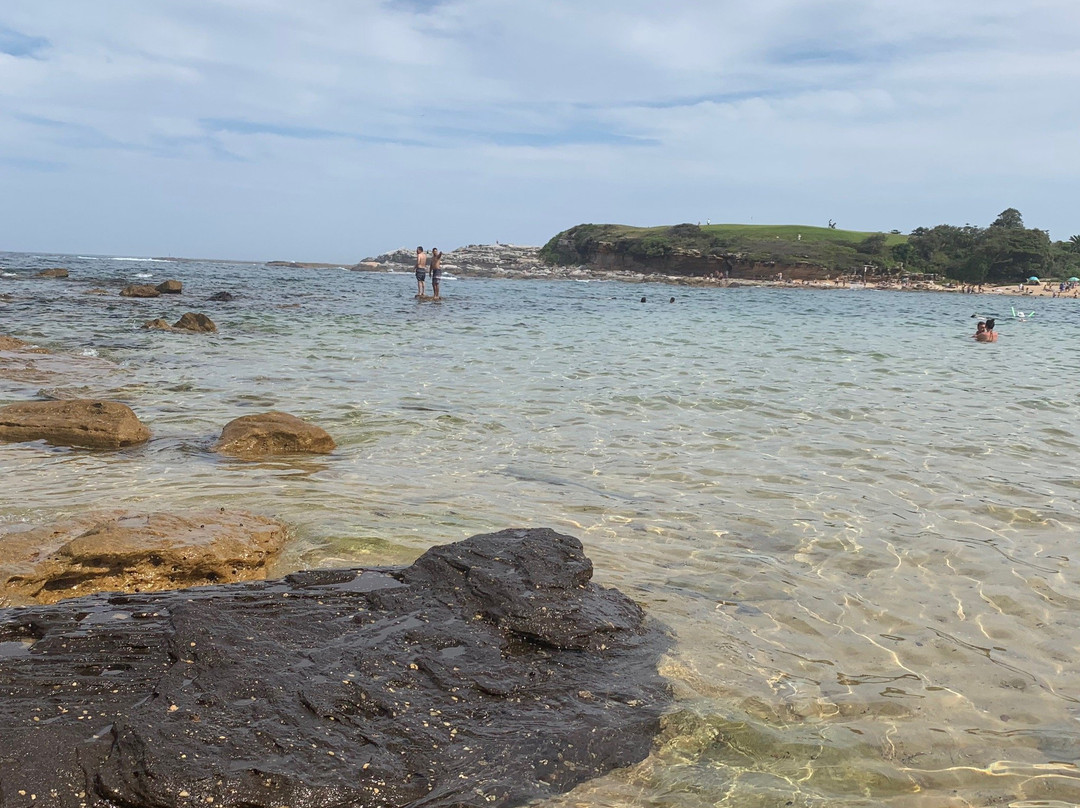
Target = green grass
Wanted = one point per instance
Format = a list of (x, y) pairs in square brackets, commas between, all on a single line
[(791, 232)]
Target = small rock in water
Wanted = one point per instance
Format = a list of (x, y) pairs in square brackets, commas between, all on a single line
[(272, 433), (193, 321), (139, 290)]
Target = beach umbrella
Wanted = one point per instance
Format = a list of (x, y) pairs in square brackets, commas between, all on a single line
[(1033, 279), (1074, 279)]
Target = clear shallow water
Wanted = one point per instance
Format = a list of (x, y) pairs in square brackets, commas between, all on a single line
[(860, 524)]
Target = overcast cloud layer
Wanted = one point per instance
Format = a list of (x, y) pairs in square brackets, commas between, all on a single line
[(337, 129)]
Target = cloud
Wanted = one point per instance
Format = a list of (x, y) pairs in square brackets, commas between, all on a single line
[(528, 117)]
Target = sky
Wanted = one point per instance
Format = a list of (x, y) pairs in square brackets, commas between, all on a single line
[(334, 130)]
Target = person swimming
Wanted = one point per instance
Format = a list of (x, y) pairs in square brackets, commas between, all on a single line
[(984, 330)]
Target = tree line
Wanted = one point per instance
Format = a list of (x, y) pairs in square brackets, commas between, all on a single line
[(1004, 252)]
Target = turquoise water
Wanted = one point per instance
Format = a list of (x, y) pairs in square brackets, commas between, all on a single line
[(859, 523)]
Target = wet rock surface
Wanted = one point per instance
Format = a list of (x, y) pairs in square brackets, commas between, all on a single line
[(115, 551), (272, 433), (84, 423), (490, 672), (170, 287), (55, 272)]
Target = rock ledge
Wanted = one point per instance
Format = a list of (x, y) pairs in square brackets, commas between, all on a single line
[(489, 673)]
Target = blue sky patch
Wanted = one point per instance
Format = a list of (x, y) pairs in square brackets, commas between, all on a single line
[(14, 43)]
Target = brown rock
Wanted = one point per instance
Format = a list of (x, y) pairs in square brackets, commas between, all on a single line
[(55, 272), (170, 287), (139, 290), (192, 321), (97, 290), (12, 344), (80, 422), (114, 551), (272, 433), (158, 323)]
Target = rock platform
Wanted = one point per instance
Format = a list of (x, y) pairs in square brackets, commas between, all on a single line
[(491, 672)]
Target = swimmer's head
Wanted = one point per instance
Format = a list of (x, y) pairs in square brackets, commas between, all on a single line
[(990, 324)]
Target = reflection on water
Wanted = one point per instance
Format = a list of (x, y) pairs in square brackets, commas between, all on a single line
[(859, 523)]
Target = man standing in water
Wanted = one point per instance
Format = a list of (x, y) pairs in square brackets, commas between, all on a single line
[(421, 271), (436, 272)]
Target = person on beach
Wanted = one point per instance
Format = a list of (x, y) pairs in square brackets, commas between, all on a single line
[(421, 270), (436, 272)]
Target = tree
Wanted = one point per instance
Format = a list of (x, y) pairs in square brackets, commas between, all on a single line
[(1074, 242), (1009, 219), (874, 244)]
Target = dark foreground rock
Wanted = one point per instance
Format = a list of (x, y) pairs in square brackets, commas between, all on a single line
[(272, 433), (490, 672), (128, 552), (85, 423)]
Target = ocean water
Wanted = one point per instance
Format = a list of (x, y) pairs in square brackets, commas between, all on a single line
[(860, 525)]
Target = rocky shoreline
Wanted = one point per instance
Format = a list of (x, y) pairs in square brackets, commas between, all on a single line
[(523, 262)]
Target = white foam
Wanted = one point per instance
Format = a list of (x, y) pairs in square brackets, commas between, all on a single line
[(154, 260), (88, 352), (8, 275), (144, 274)]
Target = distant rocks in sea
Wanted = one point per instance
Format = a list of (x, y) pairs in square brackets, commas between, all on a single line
[(192, 322), (480, 260), (222, 297), (140, 290), (123, 552), (55, 272), (490, 672), (84, 423), (272, 433)]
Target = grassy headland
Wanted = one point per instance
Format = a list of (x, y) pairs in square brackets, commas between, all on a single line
[(822, 248), (1004, 252)]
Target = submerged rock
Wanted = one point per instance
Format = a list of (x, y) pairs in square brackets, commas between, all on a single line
[(272, 433), (17, 345), (222, 296), (85, 423), (55, 272), (489, 673), (135, 552), (139, 290)]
